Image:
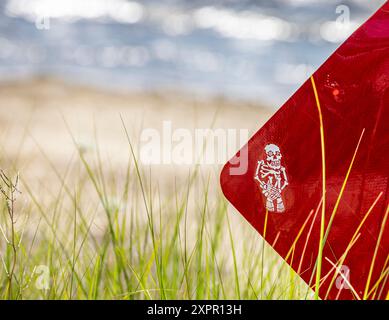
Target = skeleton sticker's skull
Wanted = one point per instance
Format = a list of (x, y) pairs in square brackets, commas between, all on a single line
[(272, 178), (273, 156)]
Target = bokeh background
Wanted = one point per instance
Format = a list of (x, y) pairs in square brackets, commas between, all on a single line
[(242, 49)]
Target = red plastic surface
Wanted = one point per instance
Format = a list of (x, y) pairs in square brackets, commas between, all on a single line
[(353, 92)]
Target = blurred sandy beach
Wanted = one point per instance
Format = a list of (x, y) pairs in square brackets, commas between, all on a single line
[(45, 121), (40, 116)]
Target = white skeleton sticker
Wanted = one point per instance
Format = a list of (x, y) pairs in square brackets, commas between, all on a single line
[(272, 178)]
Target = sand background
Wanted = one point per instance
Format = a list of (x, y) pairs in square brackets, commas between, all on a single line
[(39, 116)]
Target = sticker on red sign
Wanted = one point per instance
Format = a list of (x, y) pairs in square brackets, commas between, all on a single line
[(316, 175)]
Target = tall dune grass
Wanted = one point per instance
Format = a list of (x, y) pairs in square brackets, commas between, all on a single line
[(106, 233)]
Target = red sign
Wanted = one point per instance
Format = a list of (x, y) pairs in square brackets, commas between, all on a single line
[(317, 173)]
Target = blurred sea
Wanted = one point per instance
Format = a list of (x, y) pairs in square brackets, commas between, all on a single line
[(256, 50)]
